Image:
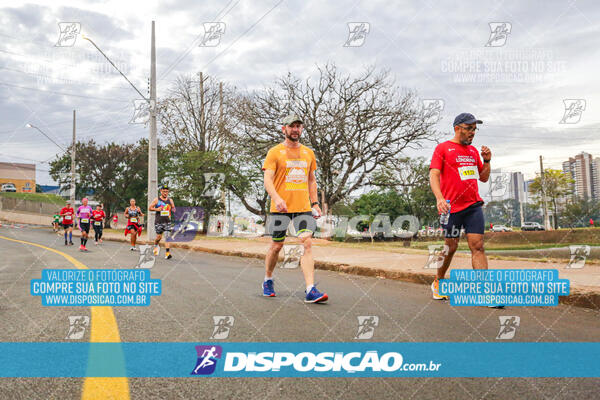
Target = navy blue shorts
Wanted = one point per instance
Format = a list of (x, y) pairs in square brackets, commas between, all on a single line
[(471, 219)]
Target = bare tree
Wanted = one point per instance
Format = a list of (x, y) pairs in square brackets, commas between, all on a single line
[(193, 117), (353, 124)]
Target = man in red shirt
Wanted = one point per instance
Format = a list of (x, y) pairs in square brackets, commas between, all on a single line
[(453, 174), (98, 216), (67, 213)]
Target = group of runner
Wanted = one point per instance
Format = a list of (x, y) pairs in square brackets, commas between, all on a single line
[(456, 166), (85, 217), (289, 178)]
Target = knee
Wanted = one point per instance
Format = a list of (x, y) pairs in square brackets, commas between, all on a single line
[(307, 243), (452, 247), (276, 247), (477, 247)]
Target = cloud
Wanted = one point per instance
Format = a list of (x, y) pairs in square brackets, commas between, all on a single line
[(42, 84)]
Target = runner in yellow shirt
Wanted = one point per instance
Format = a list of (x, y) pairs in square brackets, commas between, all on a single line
[(289, 178)]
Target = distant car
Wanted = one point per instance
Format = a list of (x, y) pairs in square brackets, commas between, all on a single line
[(501, 228), (8, 187), (532, 226)]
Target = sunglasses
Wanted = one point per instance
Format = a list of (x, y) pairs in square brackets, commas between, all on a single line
[(469, 128)]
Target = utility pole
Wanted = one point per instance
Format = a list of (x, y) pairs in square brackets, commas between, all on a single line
[(152, 142), (545, 207), (72, 194), (227, 205)]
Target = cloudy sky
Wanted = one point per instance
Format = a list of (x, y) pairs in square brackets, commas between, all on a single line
[(542, 56)]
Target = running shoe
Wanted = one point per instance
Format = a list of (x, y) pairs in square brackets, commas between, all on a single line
[(66, 243), (168, 256), (156, 250), (81, 248), (268, 290), (96, 242), (435, 289), (314, 296), (100, 240), (71, 243), (132, 248), (499, 306)]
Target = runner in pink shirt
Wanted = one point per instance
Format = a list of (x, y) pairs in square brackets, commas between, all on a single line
[(84, 213)]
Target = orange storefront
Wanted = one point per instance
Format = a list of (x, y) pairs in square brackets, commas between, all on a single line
[(21, 175)]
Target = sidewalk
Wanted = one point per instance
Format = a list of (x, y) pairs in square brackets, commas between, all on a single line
[(406, 266)]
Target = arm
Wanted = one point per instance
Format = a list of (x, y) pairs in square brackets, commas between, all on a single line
[(270, 187), (140, 211), (153, 204), (172, 205), (312, 191), (126, 212), (484, 173), (434, 182)]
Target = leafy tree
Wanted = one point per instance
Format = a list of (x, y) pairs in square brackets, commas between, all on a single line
[(194, 124), (505, 212), (557, 185), (410, 178), (578, 212), (378, 203), (113, 172)]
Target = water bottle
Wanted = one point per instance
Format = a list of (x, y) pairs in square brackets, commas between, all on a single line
[(445, 216)]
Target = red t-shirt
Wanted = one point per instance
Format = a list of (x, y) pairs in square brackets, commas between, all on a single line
[(98, 215), (67, 213), (460, 167)]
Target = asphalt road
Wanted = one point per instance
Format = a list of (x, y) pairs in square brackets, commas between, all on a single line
[(197, 286)]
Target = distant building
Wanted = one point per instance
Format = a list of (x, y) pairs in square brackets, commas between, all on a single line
[(596, 178), (50, 189), (21, 175), (584, 172), (527, 194), (517, 189)]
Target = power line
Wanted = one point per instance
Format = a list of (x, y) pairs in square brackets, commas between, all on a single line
[(193, 45), (62, 93)]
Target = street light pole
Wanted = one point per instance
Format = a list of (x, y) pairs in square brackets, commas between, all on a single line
[(72, 185), (152, 143), (72, 195)]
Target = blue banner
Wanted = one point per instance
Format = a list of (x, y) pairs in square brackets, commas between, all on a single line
[(504, 287), (95, 287), (280, 359)]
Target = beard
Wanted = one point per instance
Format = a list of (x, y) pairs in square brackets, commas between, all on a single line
[(292, 137), (466, 141)]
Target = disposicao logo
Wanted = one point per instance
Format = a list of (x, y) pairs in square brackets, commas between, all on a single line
[(308, 362), (207, 359)]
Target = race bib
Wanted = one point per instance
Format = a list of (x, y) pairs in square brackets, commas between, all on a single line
[(85, 220), (164, 213), (67, 217), (134, 220), (470, 172), (97, 223)]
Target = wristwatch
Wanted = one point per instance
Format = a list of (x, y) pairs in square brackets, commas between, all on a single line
[(486, 161), (313, 203)]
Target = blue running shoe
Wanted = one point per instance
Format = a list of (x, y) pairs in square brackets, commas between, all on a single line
[(268, 290), (314, 296)]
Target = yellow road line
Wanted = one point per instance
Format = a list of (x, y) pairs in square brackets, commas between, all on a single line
[(104, 329)]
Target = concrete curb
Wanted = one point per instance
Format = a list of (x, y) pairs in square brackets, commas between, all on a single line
[(577, 297)]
